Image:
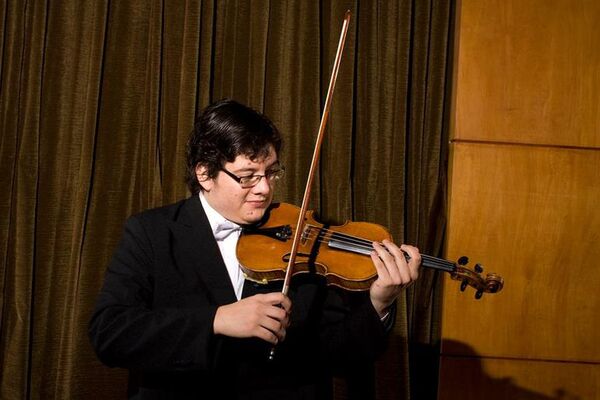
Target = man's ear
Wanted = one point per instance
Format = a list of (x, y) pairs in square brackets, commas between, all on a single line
[(203, 178)]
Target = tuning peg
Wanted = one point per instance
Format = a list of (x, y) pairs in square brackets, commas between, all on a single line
[(463, 285), (464, 260), (478, 268), (478, 294)]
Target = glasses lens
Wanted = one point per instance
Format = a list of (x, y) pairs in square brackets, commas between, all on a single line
[(275, 174), (252, 180), (249, 181)]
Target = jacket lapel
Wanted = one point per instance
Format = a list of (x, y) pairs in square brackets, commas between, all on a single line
[(193, 236)]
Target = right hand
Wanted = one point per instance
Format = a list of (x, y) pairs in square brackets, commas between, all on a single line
[(265, 316)]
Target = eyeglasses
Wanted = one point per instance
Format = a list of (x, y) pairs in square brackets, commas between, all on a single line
[(252, 180)]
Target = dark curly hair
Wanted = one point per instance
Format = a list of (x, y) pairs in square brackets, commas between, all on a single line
[(223, 131)]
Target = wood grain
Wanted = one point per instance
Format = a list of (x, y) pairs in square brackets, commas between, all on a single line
[(531, 215), (528, 71)]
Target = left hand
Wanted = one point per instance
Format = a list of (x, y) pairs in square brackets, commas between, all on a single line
[(394, 273)]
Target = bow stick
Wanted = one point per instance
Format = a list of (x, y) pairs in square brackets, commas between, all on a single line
[(314, 162)]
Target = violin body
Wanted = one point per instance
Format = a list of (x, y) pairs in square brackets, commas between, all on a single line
[(263, 251)]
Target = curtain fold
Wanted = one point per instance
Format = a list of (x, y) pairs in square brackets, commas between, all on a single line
[(96, 104), (25, 29), (292, 88)]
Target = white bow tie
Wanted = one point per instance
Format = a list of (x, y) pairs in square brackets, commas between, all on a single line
[(225, 229)]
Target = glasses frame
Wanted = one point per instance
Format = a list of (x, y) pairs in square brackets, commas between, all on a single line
[(271, 176)]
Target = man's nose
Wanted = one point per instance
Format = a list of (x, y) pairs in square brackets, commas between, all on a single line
[(263, 186)]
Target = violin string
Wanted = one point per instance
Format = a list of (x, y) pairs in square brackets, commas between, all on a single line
[(324, 235), (338, 235)]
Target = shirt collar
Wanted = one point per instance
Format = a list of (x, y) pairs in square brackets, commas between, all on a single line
[(214, 218)]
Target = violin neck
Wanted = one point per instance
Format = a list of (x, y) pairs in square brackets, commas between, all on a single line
[(437, 263), (363, 246)]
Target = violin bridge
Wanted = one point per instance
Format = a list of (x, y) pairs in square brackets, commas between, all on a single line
[(305, 234)]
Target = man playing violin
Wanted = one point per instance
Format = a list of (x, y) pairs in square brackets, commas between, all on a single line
[(178, 312)]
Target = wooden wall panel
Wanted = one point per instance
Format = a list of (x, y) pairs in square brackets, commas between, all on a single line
[(525, 201), (528, 71), (496, 379), (531, 215)]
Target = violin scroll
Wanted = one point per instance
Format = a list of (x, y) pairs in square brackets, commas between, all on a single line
[(492, 283)]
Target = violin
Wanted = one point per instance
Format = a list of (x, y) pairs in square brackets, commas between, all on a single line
[(339, 253)]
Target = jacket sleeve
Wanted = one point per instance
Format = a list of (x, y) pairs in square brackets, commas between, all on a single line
[(126, 331)]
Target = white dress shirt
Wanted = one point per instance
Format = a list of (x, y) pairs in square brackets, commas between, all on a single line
[(227, 234)]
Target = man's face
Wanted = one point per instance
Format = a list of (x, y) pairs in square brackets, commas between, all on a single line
[(237, 204)]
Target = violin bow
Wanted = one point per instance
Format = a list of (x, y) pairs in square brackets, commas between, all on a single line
[(315, 156), (315, 160)]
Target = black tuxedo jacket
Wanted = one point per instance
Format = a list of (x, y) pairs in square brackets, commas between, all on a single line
[(154, 316)]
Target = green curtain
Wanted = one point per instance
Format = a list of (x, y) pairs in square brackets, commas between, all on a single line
[(97, 99)]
